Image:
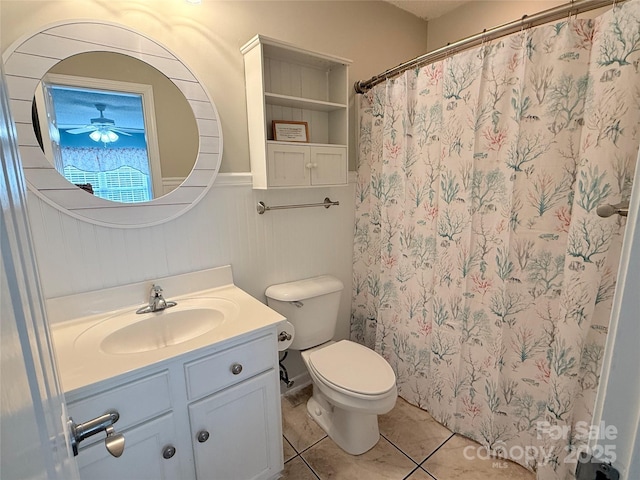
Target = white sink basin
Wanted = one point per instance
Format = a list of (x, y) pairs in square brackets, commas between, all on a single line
[(127, 332)]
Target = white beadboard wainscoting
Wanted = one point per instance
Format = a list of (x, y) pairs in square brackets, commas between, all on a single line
[(224, 228)]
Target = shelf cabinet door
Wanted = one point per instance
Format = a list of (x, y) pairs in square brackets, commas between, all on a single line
[(329, 165), (244, 431), (142, 457), (304, 165), (288, 165)]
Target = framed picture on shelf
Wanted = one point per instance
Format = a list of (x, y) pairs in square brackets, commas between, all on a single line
[(288, 131)]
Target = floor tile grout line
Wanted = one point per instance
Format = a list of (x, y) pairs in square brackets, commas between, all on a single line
[(292, 458), (407, 477), (428, 473), (400, 450), (312, 445), (418, 465), (435, 451), (305, 462), (289, 443), (310, 467)]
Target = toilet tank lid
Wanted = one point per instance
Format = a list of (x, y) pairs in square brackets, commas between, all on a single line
[(303, 289)]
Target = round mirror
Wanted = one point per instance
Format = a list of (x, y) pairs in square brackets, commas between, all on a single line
[(60, 53), (104, 119)]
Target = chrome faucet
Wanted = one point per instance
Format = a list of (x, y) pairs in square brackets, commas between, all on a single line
[(156, 301)]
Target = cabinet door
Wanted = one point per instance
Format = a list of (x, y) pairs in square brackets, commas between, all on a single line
[(142, 457), (288, 165), (329, 165), (244, 431)]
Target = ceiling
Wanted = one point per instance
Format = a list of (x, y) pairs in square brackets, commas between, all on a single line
[(75, 107), (427, 9)]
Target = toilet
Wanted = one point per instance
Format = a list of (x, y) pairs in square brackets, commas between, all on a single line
[(352, 384)]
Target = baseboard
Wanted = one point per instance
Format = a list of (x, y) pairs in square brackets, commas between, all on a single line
[(299, 382)]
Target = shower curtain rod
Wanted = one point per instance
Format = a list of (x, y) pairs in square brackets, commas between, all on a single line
[(540, 18)]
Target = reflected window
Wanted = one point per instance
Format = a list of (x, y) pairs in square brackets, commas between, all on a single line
[(98, 137)]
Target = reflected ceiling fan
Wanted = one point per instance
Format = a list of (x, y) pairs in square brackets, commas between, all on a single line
[(102, 129)]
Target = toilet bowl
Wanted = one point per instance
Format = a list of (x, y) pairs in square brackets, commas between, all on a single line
[(352, 384)]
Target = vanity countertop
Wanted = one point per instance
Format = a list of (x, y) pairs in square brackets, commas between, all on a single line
[(81, 361)]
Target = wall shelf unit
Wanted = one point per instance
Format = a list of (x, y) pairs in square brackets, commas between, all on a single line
[(284, 82), (302, 103)]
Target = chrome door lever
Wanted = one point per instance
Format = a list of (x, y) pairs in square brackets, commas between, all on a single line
[(114, 441)]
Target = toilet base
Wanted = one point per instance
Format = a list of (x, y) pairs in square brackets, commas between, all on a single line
[(356, 433)]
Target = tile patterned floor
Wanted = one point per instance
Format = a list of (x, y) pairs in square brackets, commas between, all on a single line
[(412, 446)]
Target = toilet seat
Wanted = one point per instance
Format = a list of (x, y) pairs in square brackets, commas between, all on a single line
[(353, 369)]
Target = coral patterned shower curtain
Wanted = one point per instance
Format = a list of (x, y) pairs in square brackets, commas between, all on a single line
[(481, 270)]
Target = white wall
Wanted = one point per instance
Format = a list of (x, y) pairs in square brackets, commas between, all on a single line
[(224, 227), (476, 16), (207, 37)]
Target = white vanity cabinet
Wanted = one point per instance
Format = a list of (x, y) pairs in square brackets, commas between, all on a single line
[(287, 83), (142, 458), (228, 390), (144, 404), (234, 431)]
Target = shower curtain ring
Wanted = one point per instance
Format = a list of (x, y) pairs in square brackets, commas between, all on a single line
[(570, 12), (523, 28), (484, 39)]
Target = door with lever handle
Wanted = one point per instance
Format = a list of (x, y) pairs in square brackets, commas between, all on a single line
[(114, 442)]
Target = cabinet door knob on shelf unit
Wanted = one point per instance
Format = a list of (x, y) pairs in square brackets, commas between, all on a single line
[(203, 436), (236, 368), (168, 452)]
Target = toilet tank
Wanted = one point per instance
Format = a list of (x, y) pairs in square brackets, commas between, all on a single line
[(311, 305)]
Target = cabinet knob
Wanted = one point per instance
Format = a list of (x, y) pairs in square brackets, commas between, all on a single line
[(202, 436), (309, 165), (168, 451), (236, 368)]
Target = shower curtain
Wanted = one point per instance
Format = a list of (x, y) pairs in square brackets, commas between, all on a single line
[(482, 272)]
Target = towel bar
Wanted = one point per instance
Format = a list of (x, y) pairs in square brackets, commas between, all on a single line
[(261, 208)]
